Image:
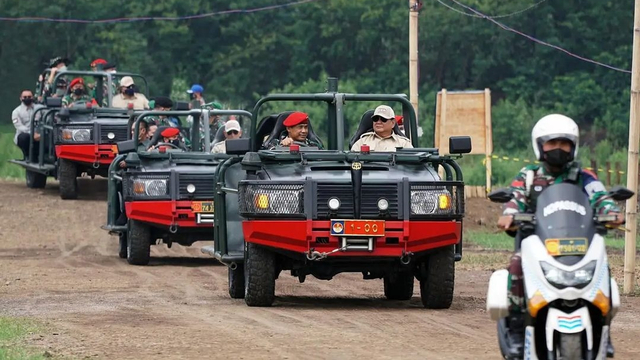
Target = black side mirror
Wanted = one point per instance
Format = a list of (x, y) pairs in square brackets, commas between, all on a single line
[(53, 102), (64, 114), (620, 193), (126, 146), (181, 106), (238, 146), (459, 144), (500, 196)]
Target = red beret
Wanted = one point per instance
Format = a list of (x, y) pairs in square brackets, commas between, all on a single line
[(169, 132), (77, 81), (98, 61), (295, 119), (399, 119)]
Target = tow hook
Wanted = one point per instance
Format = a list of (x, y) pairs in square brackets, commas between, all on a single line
[(173, 228), (233, 266), (405, 259), (96, 165)]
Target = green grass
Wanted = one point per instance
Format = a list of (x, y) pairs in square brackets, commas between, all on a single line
[(502, 241), (12, 332), (9, 151)]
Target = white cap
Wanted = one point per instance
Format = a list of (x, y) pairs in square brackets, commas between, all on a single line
[(126, 81), (231, 125), (385, 112)]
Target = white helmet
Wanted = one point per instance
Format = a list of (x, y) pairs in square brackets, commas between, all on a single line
[(554, 126)]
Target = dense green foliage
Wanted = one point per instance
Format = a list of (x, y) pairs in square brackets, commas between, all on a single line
[(240, 57)]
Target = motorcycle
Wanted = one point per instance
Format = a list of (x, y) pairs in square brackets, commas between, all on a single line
[(570, 296)]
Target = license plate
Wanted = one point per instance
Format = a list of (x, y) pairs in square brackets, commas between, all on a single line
[(357, 227), (559, 247), (202, 206)]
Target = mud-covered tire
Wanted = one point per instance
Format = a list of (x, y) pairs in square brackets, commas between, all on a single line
[(570, 346), (437, 280), (138, 243), (236, 282), (122, 243), (260, 276), (67, 176), (398, 286), (35, 180)]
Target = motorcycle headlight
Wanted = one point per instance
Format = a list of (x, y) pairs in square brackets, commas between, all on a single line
[(563, 279), (76, 135), (424, 202), (149, 187)]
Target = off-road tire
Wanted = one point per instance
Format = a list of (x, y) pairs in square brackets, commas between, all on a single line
[(236, 282), (35, 180), (436, 283), (398, 286), (570, 346), (138, 243), (122, 243), (67, 176), (260, 276)]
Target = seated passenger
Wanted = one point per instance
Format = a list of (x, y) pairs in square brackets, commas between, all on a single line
[(170, 136), (163, 103), (128, 94), (382, 138), (78, 93), (232, 130), (143, 134), (297, 130)]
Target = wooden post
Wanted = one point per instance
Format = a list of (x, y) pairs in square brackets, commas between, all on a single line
[(608, 170), (488, 136), (632, 160), (414, 11), (594, 166), (443, 120), (618, 175)]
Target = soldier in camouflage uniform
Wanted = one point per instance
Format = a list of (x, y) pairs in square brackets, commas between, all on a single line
[(78, 93), (297, 124), (555, 143)]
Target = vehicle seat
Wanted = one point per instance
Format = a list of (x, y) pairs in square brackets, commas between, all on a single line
[(366, 125), (279, 129)]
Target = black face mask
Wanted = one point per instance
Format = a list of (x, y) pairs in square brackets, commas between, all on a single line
[(129, 92), (557, 157), (78, 91), (175, 142), (27, 101)]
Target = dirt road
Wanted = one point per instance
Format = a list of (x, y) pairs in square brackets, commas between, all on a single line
[(58, 267)]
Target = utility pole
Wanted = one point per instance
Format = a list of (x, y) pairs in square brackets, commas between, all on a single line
[(632, 160), (414, 10)]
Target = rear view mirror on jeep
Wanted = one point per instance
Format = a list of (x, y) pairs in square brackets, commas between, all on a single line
[(126, 146), (459, 144), (238, 146), (500, 196), (181, 106), (620, 193), (54, 102)]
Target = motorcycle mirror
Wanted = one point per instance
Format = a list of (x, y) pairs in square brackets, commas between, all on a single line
[(500, 196), (620, 193)]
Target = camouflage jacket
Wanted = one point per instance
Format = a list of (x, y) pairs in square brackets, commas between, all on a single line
[(70, 99), (586, 179), (276, 142)]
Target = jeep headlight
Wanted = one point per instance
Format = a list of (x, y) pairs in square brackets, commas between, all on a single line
[(562, 279), (149, 186), (285, 199), (425, 202), (76, 135)]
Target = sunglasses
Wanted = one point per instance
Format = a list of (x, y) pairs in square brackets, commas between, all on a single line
[(380, 118), (234, 132)]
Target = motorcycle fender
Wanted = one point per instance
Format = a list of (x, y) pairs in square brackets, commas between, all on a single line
[(497, 299), (573, 323), (529, 344), (615, 297), (602, 352)]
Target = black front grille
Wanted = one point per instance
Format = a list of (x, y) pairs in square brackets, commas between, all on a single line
[(371, 193), (204, 184), (119, 131)]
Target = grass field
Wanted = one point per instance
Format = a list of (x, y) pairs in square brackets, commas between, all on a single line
[(12, 332), (9, 151)]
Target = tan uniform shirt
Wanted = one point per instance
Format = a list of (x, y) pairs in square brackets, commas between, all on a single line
[(220, 148), (377, 143), (139, 101)]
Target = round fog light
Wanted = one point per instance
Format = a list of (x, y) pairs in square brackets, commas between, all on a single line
[(334, 203), (111, 136), (383, 204), (191, 188)]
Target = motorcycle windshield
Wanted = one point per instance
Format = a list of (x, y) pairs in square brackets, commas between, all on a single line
[(563, 211)]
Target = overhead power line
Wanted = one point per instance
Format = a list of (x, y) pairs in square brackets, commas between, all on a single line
[(154, 18), (494, 16), (505, 27)]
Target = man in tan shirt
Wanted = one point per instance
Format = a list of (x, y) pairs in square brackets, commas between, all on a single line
[(382, 138), (128, 95)]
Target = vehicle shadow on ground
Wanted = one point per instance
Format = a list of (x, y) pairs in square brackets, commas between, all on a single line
[(341, 303), (183, 261), (88, 189)]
